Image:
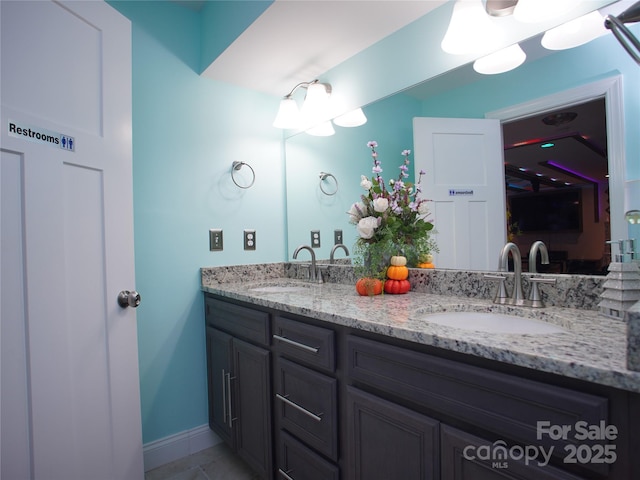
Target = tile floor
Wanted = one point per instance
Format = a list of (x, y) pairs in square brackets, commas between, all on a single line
[(215, 463)]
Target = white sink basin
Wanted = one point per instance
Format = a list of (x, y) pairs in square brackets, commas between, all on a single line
[(493, 323), (279, 289)]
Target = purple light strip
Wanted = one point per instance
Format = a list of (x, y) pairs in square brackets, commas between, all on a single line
[(568, 170)]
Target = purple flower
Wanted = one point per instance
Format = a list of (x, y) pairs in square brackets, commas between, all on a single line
[(377, 169), (372, 144), (404, 153)]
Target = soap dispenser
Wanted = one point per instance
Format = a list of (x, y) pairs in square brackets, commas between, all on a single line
[(622, 285)]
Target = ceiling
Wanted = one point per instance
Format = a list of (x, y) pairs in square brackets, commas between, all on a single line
[(578, 156), (309, 37)]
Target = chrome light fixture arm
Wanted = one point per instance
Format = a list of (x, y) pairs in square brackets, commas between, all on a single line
[(616, 24)]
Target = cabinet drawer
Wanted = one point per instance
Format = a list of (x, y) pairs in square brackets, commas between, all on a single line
[(298, 462), (312, 345), (500, 403), (239, 321), (306, 406)]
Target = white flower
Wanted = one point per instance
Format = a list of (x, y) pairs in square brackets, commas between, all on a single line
[(423, 209), (355, 212), (380, 204), (365, 182), (367, 227)]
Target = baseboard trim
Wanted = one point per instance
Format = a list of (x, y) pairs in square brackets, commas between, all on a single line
[(173, 447)]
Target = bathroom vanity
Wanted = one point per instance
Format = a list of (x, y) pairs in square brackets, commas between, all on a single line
[(312, 381)]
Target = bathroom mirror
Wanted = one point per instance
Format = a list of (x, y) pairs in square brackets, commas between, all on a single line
[(346, 156)]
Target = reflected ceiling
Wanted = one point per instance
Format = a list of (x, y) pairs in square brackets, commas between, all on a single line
[(578, 155)]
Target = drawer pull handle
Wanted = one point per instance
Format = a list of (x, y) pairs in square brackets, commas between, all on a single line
[(284, 475), (231, 418), (296, 344), (284, 399)]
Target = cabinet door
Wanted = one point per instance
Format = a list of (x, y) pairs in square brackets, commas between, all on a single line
[(219, 378), (387, 441), (251, 406), (463, 460)]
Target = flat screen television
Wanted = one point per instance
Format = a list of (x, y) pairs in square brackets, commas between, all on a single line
[(549, 211)]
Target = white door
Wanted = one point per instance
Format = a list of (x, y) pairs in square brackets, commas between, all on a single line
[(70, 384), (463, 161)]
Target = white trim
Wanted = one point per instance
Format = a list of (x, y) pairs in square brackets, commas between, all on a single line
[(179, 445), (611, 89)]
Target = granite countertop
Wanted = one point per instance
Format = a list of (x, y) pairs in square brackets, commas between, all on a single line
[(591, 347)]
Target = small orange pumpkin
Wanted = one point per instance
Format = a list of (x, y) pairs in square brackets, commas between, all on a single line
[(369, 286)]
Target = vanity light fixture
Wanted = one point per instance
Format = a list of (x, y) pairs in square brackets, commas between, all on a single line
[(501, 61), (471, 30), (313, 108), (575, 33)]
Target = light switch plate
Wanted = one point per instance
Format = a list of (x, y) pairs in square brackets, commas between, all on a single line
[(315, 238), (337, 237), (215, 239), (249, 239)]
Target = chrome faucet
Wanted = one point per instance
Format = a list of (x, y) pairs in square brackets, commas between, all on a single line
[(335, 247), (535, 300), (538, 246), (313, 275), (517, 297)]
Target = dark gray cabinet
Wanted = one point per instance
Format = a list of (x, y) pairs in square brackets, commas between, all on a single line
[(302, 399), (240, 389)]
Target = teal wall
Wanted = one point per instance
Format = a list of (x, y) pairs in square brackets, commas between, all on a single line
[(187, 130)]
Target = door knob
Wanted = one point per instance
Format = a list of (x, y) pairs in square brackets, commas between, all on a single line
[(128, 299)]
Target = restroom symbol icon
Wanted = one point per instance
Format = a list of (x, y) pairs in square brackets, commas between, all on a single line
[(66, 143)]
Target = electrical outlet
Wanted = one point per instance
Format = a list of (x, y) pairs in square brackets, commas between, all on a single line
[(215, 239), (249, 239), (337, 237), (315, 238)]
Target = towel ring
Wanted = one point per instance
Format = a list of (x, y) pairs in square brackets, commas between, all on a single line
[(324, 176), (236, 166)]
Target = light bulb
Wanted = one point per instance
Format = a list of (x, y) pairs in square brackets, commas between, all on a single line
[(354, 118), (288, 114), (500, 61), (575, 33)]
